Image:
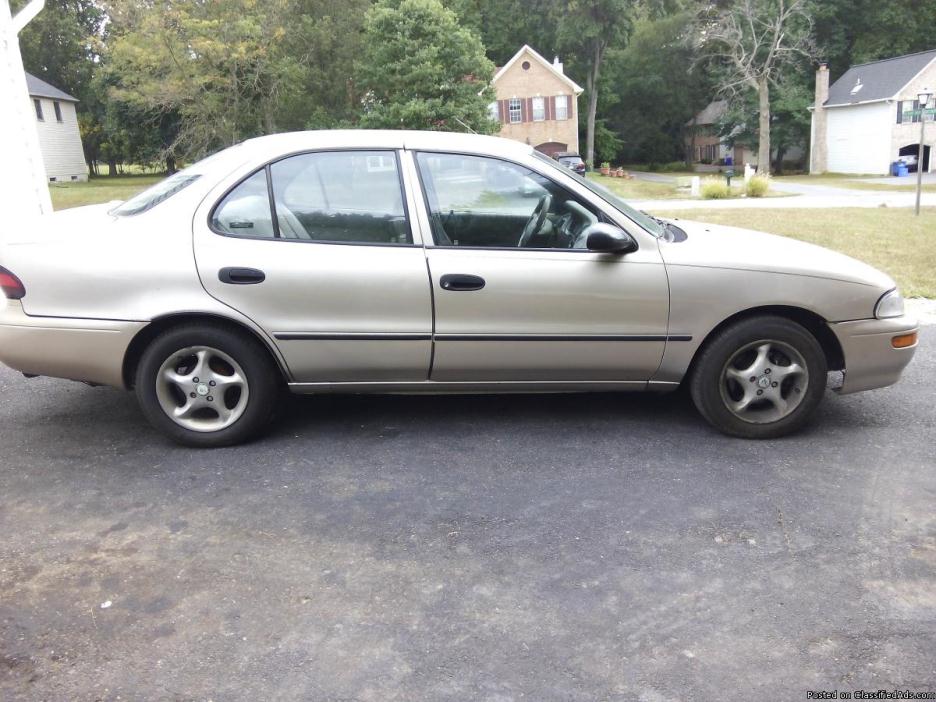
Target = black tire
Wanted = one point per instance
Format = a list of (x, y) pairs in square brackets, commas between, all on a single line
[(711, 394), (263, 380)]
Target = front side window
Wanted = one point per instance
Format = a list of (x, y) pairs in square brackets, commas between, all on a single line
[(493, 112), (38, 105), (332, 197), (484, 202), (562, 107), (515, 110), (539, 109), (58, 111), (646, 221)]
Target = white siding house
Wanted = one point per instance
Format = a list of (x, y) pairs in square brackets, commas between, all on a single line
[(869, 117), (57, 126)]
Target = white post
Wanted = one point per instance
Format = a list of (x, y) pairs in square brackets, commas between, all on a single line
[(695, 186), (748, 172), (22, 176)]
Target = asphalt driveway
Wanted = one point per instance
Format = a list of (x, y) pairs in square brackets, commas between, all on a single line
[(457, 548)]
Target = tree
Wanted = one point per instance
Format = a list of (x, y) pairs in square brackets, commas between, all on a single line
[(756, 41), (422, 70), (61, 44), (505, 25), (587, 29), (224, 72), (648, 94)]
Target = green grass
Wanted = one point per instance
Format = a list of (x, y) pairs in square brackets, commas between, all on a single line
[(101, 189), (634, 189), (891, 239)]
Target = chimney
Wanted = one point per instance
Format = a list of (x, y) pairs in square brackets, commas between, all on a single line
[(819, 143), (557, 64)]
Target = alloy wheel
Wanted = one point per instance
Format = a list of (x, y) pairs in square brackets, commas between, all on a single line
[(764, 381), (202, 389)]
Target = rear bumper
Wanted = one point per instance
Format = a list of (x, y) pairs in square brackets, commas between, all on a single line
[(90, 350), (871, 361)]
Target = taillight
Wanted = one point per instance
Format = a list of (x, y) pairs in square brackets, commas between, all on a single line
[(12, 286)]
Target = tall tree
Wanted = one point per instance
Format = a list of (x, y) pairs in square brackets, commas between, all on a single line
[(422, 70), (648, 96), (233, 70), (587, 29), (506, 25), (756, 41), (61, 44)]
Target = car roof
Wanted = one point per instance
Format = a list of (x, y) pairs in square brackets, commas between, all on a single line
[(387, 139)]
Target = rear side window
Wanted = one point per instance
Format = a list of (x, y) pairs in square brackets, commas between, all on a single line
[(332, 197), (152, 196)]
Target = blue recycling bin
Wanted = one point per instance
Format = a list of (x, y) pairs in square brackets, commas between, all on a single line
[(902, 170)]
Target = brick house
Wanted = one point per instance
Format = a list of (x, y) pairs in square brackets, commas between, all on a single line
[(704, 144), (537, 103)]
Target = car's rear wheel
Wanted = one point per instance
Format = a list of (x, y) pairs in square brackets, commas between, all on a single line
[(207, 385), (760, 378)]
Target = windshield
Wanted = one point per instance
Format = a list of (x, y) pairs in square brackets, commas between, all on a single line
[(164, 189), (644, 220)]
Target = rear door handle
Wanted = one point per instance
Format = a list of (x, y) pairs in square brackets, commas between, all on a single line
[(461, 281), (241, 276)]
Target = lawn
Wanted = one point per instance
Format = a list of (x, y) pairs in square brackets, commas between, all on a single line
[(892, 239), (634, 189), (101, 189)]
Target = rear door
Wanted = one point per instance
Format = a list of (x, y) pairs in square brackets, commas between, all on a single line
[(318, 249)]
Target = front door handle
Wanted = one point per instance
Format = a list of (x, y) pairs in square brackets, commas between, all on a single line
[(241, 276), (461, 281)]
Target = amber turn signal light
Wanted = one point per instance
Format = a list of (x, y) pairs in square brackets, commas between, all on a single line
[(904, 340)]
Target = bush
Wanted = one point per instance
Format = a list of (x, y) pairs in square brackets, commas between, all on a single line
[(757, 186), (715, 189), (672, 167)]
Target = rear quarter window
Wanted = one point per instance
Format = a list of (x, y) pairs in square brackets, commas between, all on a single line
[(155, 194)]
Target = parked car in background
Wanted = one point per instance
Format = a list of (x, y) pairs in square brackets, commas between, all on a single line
[(572, 161), (393, 261)]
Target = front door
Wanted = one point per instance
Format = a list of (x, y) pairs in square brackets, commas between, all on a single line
[(518, 297), (318, 250)]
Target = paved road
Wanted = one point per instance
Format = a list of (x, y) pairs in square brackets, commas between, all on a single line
[(800, 195), (539, 548)]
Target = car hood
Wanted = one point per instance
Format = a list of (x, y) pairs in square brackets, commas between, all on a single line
[(719, 246)]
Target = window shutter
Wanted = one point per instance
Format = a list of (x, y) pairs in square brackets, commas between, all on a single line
[(900, 112), (501, 112), (529, 102)]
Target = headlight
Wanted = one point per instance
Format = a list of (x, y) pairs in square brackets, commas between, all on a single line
[(891, 304)]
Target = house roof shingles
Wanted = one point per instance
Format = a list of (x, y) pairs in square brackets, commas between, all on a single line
[(880, 80), (39, 88)]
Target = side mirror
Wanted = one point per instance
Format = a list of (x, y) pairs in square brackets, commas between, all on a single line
[(606, 238)]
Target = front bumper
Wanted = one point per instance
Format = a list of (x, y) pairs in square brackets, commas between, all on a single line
[(90, 350), (871, 361)]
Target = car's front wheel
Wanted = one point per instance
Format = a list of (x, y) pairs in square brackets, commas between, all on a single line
[(206, 385), (760, 378)]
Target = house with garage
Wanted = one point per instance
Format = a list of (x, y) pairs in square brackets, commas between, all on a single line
[(57, 127), (537, 103), (870, 116)]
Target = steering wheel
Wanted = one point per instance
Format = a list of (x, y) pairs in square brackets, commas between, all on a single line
[(536, 221)]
